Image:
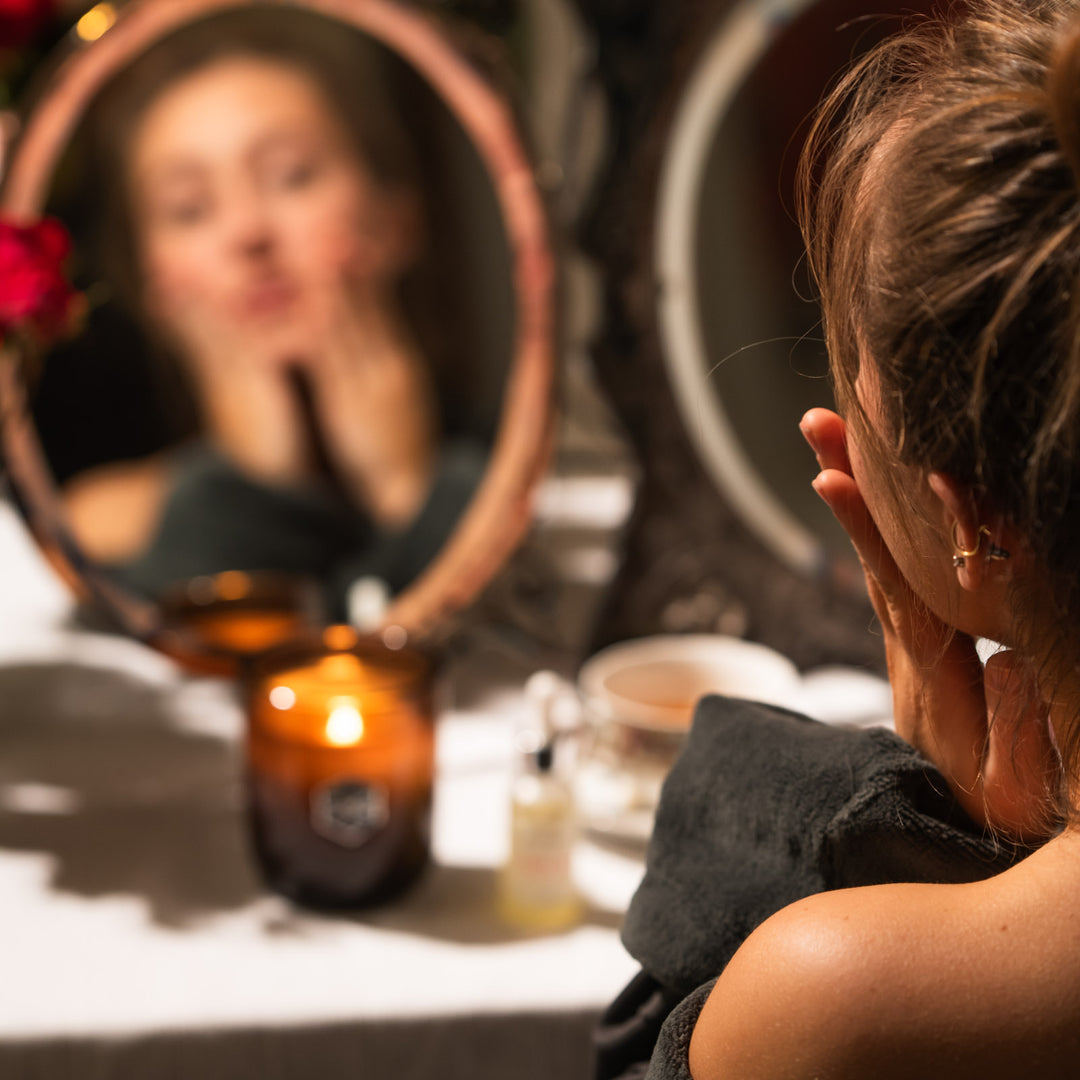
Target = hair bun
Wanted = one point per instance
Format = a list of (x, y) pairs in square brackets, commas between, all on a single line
[(1063, 93)]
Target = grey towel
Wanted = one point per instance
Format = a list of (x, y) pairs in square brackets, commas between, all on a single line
[(764, 807)]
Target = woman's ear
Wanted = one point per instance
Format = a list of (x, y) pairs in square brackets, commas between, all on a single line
[(980, 542)]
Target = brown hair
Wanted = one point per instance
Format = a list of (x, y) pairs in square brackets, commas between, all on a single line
[(394, 121), (940, 202), (354, 76)]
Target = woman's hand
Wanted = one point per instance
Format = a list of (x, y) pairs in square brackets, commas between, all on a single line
[(371, 393), (987, 730), (251, 412), (374, 401)]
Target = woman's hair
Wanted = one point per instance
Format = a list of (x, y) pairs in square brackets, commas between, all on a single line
[(359, 81), (940, 203), (394, 120)]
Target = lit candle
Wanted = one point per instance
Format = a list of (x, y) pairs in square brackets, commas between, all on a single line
[(340, 762)]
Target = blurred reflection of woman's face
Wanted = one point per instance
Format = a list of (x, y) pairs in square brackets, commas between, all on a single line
[(250, 201)]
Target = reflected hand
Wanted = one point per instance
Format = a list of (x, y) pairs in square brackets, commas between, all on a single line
[(987, 730), (374, 400), (251, 411)]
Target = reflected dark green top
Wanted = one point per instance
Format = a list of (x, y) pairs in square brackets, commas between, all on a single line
[(216, 518)]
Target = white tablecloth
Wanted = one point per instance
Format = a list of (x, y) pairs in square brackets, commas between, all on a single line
[(137, 941)]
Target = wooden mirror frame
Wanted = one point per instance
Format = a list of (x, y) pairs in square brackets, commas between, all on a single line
[(500, 510)]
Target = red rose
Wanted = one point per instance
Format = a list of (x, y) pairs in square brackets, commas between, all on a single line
[(33, 290), (22, 20)]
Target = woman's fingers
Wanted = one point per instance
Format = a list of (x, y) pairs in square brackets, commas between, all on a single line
[(935, 672), (827, 436), (986, 729), (841, 494)]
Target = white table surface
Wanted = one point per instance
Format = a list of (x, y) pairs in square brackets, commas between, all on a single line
[(135, 934), (136, 940)]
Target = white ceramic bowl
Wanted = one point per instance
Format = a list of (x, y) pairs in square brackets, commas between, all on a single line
[(655, 682), (639, 698)]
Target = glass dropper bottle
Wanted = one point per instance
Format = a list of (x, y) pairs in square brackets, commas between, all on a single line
[(536, 889)]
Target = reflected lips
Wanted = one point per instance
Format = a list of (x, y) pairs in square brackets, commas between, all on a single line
[(268, 298)]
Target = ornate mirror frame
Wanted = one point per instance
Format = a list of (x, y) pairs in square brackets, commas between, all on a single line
[(500, 511), (693, 562), (741, 40)]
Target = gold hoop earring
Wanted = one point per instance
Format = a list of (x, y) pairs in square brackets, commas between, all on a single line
[(993, 551), (968, 552)]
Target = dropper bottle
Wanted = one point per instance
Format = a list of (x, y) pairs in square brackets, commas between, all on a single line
[(536, 889)]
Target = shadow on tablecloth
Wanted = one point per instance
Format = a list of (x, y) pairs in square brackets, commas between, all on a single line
[(96, 773)]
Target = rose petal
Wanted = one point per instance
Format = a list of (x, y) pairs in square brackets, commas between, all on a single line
[(33, 289), (21, 20), (51, 239)]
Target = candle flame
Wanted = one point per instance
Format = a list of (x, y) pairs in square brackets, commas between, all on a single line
[(345, 725)]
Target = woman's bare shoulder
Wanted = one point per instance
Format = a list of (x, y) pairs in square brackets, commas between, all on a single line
[(978, 980), (114, 509)]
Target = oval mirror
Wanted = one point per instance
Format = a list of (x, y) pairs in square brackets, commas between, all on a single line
[(317, 354), (739, 330)]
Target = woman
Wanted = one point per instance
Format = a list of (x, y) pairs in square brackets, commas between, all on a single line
[(266, 229), (942, 213)]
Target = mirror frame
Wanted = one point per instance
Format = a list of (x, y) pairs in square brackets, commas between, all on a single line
[(501, 509), (691, 563), (738, 43)]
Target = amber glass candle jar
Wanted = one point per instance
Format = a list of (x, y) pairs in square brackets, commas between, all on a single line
[(215, 623), (340, 767)]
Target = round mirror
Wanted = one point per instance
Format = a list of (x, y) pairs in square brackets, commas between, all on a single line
[(740, 330), (316, 362)]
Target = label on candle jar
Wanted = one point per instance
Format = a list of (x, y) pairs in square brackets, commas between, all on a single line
[(349, 812)]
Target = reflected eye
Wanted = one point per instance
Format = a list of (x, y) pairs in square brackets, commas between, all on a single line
[(294, 174), (180, 207), (186, 212)]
